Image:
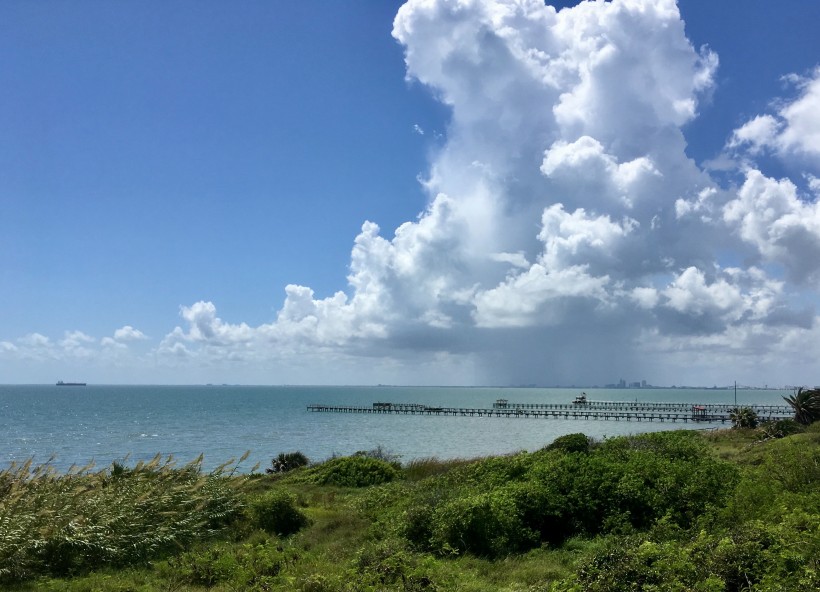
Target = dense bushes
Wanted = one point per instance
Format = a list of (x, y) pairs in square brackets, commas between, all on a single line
[(744, 417), (288, 461), (352, 471), (389, 565), (571, 443), (763, 535), (751, 556), (276, 512), (779, 428), (250, 566), (487, 524), (507, 504)]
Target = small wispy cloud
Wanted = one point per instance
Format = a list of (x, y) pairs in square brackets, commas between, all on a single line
[(128, 333)]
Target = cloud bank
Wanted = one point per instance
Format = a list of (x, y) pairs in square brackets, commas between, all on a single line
[(568, 238)]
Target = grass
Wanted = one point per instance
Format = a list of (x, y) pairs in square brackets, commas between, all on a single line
[(65, 524), (158, 527), (422, 468)]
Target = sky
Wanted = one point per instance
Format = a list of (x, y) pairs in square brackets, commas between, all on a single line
[(443, 192)]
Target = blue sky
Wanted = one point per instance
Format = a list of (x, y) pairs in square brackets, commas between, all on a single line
[(156, 154), (160, 158)]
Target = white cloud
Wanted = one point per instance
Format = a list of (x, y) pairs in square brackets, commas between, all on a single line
[(793, 131), (7, 347), (645, 297), (73, 339), (785, 229), (533, 297), (585, 168), (518, 259), (558, 205), (128, 333), (801, 133), (581, 239), (702, 204), (109, 343), (757, 133), (39, 347), (175, 350), (690, 294), (35, 340), (205, 326)]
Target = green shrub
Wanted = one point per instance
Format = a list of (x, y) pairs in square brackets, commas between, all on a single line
[(779, 428), (743, 417), (416, 525), (287, 461), (751, 556), (496, 471), (571, 443), (793, 464), (485, 524), (354, 471), (677, 445), (505, 504), (276, 512), (411, 516), (381, 453), (666, 473), (238, 566), (317, 583), (208, 566), (389, 565), (422, 468), (542, 509), (637, 563)]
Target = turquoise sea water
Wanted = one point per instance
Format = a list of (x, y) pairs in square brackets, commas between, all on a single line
[(77, 425)]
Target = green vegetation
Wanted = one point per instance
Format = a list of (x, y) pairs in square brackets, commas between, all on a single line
[(350, 471), (287, 461), (743, 417), (729, 510), (806, 405), (66, 524), (276, 512)]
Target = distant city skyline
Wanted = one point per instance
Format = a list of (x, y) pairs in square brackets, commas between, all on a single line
[(449, 192)]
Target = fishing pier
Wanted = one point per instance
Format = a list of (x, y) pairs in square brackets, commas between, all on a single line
[(580, 409)]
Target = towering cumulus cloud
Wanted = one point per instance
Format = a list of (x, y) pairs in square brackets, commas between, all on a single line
[(568, 237)]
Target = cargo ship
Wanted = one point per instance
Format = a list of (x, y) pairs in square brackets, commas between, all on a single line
[(61, 383)]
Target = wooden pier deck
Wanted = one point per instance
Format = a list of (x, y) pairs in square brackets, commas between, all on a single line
[(682, 413), (716, 408)]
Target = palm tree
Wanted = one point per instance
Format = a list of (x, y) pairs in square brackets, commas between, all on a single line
[(743, 417), (806, 405)]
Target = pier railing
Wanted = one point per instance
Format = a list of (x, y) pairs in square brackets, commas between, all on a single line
[(647, 406), (683, 412)]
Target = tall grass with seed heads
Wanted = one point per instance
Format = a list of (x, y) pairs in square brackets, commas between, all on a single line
[(65, 523)]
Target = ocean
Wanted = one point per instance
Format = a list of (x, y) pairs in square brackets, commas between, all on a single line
[(101, 424)]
